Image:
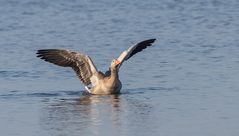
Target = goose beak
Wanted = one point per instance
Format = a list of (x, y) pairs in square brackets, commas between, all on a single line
[(117, 62)]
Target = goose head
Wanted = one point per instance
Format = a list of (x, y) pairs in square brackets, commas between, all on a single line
[(114, 63)]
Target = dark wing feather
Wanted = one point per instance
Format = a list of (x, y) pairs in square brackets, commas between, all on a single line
[(140, 46), (125, 55), (80, 63)]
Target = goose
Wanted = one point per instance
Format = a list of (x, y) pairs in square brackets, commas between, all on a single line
[(95, 81)]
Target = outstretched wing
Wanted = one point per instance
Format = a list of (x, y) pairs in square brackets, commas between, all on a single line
[(125, 55), (80, 63)]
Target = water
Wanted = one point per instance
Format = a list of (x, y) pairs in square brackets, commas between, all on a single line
[(187, 84)]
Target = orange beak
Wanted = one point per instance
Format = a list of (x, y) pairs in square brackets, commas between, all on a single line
[(117, 62)]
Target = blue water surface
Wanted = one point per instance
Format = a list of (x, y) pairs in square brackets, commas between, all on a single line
[(185, 85)]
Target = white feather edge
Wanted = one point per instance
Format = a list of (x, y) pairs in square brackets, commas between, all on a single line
[(87, 89)]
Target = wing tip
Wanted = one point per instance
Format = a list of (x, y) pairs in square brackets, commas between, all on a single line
[(151, 40), (39, 54), (147, 42), (42, 52)]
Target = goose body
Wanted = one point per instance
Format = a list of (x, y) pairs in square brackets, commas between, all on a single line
[(95, 81)]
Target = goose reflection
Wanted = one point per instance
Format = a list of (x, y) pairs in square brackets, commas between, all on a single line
[(84, 115), (88, 99)]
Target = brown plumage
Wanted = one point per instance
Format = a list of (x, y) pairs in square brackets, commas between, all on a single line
[(77, 61), (95, 81)]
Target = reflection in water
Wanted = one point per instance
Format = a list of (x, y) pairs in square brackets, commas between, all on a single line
[(81, 116), (122, 114), (88, 99)]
